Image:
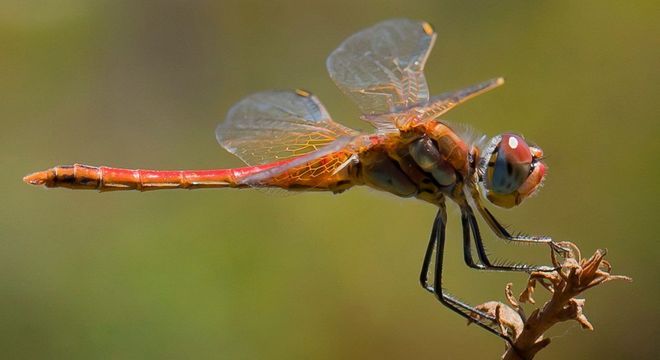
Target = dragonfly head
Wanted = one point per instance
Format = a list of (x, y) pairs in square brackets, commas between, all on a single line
[(510, 170)]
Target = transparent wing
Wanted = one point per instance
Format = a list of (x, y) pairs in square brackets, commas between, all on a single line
[(309, 169), (442, 103), (381, 68), (436, 106), (275, 125)]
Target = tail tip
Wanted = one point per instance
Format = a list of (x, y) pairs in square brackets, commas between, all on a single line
[(37, 178)]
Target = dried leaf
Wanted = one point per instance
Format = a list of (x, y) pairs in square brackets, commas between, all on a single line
[(573, 276), (508, 293), (508, 319)]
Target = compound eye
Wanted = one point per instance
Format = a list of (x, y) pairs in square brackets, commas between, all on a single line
[(509, 165)]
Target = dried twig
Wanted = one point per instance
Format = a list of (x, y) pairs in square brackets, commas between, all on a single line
[(574, 276)]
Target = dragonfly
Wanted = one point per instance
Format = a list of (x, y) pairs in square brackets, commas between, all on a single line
[(289, 141)]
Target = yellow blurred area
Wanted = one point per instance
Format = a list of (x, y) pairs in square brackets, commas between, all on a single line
[(244, 275)]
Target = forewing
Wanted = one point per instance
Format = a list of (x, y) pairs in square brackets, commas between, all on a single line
[(442, 103), (381, 68), (276, 125)]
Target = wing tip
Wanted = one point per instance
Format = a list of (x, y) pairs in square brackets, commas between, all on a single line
[(302, 92), (428, 28)]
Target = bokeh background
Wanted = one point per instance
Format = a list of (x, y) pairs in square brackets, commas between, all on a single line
[(247, 275)]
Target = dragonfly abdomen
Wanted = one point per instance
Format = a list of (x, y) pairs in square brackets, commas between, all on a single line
[(104, 178)]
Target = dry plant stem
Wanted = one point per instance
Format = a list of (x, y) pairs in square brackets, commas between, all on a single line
[(575, 275)]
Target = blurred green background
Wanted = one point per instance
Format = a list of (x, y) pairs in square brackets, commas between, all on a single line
[(246, 275)]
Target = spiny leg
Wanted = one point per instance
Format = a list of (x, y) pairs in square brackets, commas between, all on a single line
[(468, 226), (424, 273), (437, 243), (466, 212), (503, 233), (467, 244)]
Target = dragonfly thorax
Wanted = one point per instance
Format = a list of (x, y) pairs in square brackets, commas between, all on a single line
[(427, 161), (427, 155)]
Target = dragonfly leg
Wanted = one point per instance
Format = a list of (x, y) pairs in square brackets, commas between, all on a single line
[(467, 244), (486, 263), (438, 226), (437, 243), (504, 234)]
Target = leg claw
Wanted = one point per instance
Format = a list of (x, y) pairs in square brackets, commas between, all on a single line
[(563, 251)]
